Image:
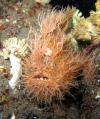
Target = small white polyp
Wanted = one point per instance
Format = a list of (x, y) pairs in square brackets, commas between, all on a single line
[(13, 116)]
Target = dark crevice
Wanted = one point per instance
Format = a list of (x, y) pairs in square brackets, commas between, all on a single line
[(85, 6)]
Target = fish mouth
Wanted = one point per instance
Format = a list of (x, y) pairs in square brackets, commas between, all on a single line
[(41, 77)]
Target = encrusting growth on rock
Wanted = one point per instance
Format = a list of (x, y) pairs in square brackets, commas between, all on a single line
[(52, 66)]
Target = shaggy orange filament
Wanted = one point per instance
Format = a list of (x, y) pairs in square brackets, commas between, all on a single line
[(50, 70)]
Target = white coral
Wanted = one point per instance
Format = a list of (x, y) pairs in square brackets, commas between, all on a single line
[(43, 2), (15, 46), (15, 49), (13, 116), (16, 70)]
